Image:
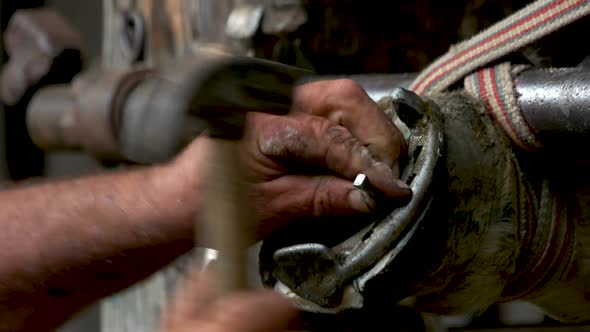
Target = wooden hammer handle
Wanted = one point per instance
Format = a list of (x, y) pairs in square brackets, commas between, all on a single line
[(227, 217)]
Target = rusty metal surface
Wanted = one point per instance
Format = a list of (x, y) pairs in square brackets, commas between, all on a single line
[(41, 45)]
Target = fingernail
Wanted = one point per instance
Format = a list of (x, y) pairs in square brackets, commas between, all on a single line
[(360, 201), (402, 185)]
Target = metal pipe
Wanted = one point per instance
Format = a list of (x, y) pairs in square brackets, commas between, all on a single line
[(556, 105), (554, 102)]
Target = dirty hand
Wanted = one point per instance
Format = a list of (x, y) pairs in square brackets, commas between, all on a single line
[(303, 165), (194, 309)]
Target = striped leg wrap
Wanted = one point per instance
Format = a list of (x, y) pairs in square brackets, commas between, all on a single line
[(549, 241), (528, 25), (495, 88)]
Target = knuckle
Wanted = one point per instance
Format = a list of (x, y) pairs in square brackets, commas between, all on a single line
[(293, 137), (338, 135), (231, 313), (323, 125), (346, 153), (349, 87), (341, 143), (281, 139), (341, 92)]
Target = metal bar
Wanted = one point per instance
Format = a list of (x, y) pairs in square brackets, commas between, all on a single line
[(556, 105)]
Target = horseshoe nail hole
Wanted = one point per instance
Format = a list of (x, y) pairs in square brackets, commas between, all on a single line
[(367, 235), (417, 152)]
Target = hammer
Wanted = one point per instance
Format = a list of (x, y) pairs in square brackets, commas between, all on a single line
[(219, 92), (235, 87)]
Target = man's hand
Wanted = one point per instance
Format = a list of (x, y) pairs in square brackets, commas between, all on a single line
[(302, 165), (96, 235), (194, 309)]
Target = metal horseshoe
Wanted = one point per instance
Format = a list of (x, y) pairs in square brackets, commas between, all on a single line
[(318, 273)]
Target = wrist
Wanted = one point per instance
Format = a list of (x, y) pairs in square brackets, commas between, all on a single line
[(179, 184)]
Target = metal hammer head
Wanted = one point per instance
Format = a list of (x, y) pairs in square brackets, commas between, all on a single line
[(209, 93), (223, 90)]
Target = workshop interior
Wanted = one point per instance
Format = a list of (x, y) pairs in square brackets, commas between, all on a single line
[(91, 86)]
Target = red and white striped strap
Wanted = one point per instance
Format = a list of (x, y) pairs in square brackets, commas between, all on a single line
[(495, 88), (527, 25)]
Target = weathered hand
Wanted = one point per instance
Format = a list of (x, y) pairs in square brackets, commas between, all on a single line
[(346, 103), (194, 309), (303, 164)]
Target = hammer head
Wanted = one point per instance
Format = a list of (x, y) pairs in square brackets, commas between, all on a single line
[(221, 91), (210, 93)]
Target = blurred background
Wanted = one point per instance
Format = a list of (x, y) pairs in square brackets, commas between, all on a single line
[(358, 37), (19, 157)]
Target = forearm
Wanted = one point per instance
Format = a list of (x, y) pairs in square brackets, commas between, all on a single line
[(65, 244)]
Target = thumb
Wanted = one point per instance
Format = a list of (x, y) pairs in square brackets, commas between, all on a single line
[(254, 311), (193, 295)]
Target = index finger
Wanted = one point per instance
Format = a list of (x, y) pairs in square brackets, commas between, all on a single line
[(346, 103)]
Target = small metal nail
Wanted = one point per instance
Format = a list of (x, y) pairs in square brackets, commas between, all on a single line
[(360, 182)]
